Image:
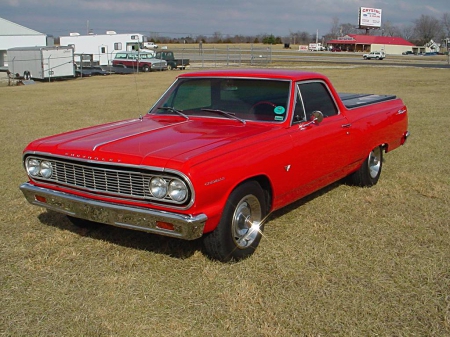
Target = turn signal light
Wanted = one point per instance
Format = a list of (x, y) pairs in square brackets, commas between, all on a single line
[(40, 199), (165, 225)]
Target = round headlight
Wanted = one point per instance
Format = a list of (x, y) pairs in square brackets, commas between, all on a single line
[(33, 167), (177, 190), (46, 169), (158, 187)]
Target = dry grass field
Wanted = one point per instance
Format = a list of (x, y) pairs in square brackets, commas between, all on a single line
[(346, 261)]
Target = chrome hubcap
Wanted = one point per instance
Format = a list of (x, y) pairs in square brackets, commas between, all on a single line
[(246, 221), (375, 162)]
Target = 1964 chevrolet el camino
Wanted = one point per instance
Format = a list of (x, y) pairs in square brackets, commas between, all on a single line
[(215, 155)]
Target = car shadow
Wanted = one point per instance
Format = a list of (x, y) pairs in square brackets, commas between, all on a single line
[(177, 248), (296, 204), (173, 247)]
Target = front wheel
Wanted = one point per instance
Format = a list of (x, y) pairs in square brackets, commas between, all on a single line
[(169, 67), (370, 171), (240, 229), (146, 68)]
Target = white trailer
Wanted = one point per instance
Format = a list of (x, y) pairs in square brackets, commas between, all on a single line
[(316, 47), (41, 62), (102, 48)]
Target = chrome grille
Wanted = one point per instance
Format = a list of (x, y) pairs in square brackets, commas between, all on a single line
[(109, 180)]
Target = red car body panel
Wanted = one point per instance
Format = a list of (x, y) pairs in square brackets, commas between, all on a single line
[(217, 154)]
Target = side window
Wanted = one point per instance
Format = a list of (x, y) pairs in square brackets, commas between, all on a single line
[(316, 97), (118, 46)]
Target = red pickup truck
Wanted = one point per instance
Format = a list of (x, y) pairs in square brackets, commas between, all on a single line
[(217, 153)]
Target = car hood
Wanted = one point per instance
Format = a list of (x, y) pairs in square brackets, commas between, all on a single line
[(151, 141)]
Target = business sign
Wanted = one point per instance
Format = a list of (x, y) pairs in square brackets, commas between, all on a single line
[(369, 17)]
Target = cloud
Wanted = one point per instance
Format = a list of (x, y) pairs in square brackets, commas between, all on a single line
[(204, 17)]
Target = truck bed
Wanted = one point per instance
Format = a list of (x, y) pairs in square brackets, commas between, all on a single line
[(356, 100)]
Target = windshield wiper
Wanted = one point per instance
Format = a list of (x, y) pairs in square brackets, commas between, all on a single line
[(228, 114), (172, 109)]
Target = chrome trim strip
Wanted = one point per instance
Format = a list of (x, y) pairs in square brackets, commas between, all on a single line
[(142, 219)]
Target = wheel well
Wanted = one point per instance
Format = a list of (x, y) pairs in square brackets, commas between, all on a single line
[(265, 184)]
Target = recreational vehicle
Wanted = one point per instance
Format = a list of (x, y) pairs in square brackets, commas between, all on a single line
[(102, 48)]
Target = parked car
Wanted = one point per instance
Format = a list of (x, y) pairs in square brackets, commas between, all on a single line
[(149, 45), (215, 155), (377, 55), (144, 61), (408, 52)]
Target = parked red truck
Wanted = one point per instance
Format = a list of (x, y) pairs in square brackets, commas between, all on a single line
[(217, 153)]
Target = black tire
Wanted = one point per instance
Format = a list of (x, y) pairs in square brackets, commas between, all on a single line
[(233, 238), (146, 68), (370, 171), (27, 75), (169, 67)]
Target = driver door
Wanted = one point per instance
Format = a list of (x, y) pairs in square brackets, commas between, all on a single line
[(321, 151)]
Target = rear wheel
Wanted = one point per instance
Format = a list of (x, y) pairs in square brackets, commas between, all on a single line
[(240, 228), (370, 171)]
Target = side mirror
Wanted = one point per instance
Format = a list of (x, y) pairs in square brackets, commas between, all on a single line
[(316, 117)]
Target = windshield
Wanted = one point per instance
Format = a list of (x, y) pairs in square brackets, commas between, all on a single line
[(241, 99)]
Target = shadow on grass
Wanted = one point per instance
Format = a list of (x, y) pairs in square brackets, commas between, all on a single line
[(296, 204), (177, 248), (181, 249)]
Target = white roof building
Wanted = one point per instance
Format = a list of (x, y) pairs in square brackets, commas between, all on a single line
[(14, 35)]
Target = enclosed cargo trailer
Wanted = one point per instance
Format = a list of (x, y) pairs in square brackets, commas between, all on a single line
[(41, 62)]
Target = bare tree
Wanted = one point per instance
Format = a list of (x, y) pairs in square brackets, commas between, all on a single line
[(446, 24), (335, 28), (388, 29), (347, 28), (427, 28), (299, 37), (407, 32), (217, 37)]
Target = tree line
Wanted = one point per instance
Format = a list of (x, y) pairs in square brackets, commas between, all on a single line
[(419, 32)]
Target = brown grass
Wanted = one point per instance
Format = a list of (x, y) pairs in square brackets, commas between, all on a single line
[(346, 261)]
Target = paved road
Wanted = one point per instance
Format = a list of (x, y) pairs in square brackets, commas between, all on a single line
[(233, 57)]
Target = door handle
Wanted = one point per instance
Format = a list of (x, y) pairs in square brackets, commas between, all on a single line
[(346, 125)]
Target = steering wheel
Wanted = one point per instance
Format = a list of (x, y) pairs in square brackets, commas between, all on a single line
[(261, 103)]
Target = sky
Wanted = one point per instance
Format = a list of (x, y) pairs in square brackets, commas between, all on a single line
[(182, 18)]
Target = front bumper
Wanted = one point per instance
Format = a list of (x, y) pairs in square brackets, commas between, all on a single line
[(137, 218)]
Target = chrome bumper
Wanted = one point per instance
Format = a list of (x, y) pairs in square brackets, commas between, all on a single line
[(141, 219)]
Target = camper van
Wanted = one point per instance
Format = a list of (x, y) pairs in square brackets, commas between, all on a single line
[(102, 48)]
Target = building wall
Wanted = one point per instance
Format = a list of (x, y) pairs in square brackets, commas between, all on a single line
[(390, 49), (11, 41)]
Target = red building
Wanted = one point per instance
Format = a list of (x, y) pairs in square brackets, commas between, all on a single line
[(367, 43)]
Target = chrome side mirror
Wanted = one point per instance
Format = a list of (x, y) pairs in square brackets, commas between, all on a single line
[(316, 118)]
